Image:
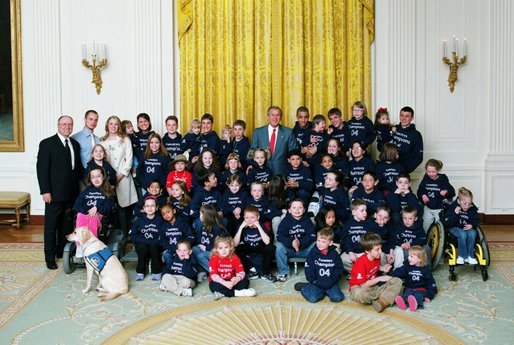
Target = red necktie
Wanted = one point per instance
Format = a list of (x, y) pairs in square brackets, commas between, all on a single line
[(273, 140)]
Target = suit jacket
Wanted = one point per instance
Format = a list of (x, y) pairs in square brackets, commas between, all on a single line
[(285, 142), (54, 171)]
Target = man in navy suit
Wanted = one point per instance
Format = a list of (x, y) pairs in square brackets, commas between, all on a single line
[(58, 172), (285, 140)]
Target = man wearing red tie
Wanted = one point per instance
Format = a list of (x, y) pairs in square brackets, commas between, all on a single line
[(58, 172), (276, 138)]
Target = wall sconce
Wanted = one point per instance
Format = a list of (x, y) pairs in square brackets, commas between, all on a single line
[(455, 62), (96, 64)]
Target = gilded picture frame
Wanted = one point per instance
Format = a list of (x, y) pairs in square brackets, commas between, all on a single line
[(12, 102)]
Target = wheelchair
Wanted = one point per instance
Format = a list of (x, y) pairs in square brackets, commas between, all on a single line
[(443, 242), (112, 237)]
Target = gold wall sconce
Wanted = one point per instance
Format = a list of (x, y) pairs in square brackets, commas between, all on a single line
[(454, 63), (96, 63)]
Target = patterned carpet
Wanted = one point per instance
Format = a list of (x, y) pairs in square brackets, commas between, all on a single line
[(38, 306)]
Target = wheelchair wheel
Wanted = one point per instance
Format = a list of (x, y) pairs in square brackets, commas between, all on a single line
[(482, 249), (67, 257), (453, 275), (436, 240), (116, 243)]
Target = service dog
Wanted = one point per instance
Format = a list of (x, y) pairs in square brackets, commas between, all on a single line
[(112, 278)]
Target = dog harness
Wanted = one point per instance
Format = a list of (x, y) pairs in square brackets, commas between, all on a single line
[(97, 260)]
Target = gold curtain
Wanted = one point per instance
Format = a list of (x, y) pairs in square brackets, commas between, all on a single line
[(239, 57)]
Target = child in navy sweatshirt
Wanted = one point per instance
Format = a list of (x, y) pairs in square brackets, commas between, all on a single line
[(190, 143), (173, 230), (99, 159), (232, 203), (208, 137), (434, 191), (359, 164), (314, 141), (232, 167), (258, 171), (180, 274), (409, 233), (302, 124), (154, 164), (383, 128), (408, 140), (369, 193), (401, 198), (296, 236), (359, 127), (323, 270), (154, 189), (241, 144), (205, 194), (145, 236), (418, 281), (388, 168), (333, 194), (321, 170), (298, 176), (172, 139)]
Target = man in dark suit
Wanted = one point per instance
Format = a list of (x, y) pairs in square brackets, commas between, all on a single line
[(284, 140), (58, 172)]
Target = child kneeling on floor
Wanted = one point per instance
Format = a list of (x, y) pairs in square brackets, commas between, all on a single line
[(226, 274), (323, 270), (366, 286), (419, 282), (180, 274)]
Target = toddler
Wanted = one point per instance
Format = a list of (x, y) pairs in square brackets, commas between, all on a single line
[(383, 128), (191, 141), (227, 144)]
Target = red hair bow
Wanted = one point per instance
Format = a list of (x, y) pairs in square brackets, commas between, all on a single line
[(382, 109)]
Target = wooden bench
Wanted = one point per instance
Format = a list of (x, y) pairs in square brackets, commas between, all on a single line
[(15, 200)]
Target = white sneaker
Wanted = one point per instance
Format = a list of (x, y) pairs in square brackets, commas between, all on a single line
[(187, 292), (163, 288), (460, 260), (472, 261), (79, 253), (245, 292)]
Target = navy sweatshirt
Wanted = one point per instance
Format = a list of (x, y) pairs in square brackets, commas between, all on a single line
[(91, 197), (222, 182), (358, 168), (299, 132), (256, 173), (173, 145), (138, 208), (181, 211), (417, 278), (251, 236), (319, 175), (317, 139), (433, 188), (184, 267), (410, 142), (155, 167), (302, 175), (204, 197), (145, 230), (210, 140), (387, 174), (415, 235), (226, 148), (463, 218), (351, 233), (339, 134), (323, 270), (109, 170), (207, 239), (231, 201), (171, 233), (384, 135), (338, 199), (191, 141), (398, 202), (373, 199), (241, 147), (359, 130), (291, 228), (142, 141)]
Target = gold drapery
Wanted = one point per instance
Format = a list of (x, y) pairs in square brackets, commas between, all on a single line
[(239, 57)]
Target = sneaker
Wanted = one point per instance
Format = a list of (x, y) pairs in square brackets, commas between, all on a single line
[(245, 292), (400, 302), (252, 274), (156, 276), (269, 277), (217, 295), (300, 286), (282, 277), (471, 261), (460, 260), (413, 304), (79, 253), (140, 276), (201, 276), (163, 288), (187, 292)]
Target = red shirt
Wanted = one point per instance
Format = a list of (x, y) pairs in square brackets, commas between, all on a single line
[(363, 270), (227, 267), (184, 176)]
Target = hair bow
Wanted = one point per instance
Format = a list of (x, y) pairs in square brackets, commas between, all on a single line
[(382, 109)]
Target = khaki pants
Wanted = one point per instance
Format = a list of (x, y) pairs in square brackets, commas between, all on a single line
[(387, 292), (176, 283)]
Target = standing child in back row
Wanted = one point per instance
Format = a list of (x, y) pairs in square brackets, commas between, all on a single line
[(359, 127)]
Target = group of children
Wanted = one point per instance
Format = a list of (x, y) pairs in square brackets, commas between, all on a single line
[(197, 220)]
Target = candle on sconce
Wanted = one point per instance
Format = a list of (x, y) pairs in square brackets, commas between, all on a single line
[(465, 47), (457, 47), (84, 51), (102, 51), (454, 44), (444, 49), (94, 48)]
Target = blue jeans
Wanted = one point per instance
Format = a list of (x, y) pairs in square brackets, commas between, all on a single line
[(312, 293), (282, 253), (419, 295), (203, 257), (466, 241)]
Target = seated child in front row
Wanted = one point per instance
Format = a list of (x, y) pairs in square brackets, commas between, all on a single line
[(296, 236), (409, 233), (145, 236), (323, 270), (180, 274), (254, 246), (366, 286), (226, 274), (419, 282)]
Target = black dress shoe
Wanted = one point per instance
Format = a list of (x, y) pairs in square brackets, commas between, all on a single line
[(51, 265)]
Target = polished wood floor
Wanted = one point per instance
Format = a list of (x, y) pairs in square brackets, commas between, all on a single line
[(34, 233)]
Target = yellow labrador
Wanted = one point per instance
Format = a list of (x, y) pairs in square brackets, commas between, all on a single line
[(112, 278)]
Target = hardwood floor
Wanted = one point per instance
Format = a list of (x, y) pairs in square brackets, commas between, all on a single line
[(34, 233)]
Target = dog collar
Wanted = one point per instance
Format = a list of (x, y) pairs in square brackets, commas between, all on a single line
[(97, 260)]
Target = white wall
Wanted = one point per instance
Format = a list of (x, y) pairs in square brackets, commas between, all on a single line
[(140, 77), (469, 130)]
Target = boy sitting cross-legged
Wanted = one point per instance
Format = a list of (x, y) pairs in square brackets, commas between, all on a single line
[(323, 270), (366, 286)]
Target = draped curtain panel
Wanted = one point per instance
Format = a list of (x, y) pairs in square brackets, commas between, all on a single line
[(239, 57)]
